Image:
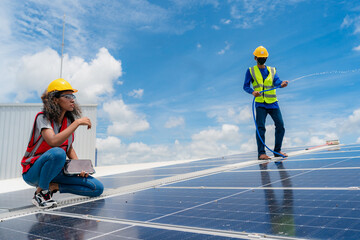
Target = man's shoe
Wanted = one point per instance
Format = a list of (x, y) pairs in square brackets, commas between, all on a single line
[(264, 157), (43, 199), (277, 155)]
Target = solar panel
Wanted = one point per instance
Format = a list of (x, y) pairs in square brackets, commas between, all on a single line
[(314, 196)]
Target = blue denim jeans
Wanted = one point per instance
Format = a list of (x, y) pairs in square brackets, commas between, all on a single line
[(275, 114), (48, 168)]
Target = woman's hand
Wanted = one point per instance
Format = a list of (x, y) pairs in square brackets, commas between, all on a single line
[(84, 121), (83, 174)]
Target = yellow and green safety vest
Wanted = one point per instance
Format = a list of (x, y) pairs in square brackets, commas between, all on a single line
[(259, 84)]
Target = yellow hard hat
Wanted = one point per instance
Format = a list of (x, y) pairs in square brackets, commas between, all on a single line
[(60, 84), (261, 52)]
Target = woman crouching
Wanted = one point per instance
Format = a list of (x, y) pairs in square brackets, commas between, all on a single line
[(50, 142)]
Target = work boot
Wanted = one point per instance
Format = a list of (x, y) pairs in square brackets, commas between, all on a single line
[(264, 157), (277, 155)]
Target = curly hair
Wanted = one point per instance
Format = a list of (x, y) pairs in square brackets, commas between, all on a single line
[(52, 110)]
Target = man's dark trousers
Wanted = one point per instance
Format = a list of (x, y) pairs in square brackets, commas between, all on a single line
[(275, 114)]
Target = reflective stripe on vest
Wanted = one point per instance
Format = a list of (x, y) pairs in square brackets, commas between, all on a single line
[(259, 84), (36, 148)]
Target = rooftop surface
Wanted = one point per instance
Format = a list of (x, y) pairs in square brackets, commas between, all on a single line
[(313, 194)]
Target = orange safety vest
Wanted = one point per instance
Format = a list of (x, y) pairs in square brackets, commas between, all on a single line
[(37, 147)]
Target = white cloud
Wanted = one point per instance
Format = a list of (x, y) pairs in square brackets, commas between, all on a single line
[(225, 21), (213, 142), (198, 46), (225, 49), (112, 151), (347, 22), (358, 140), (352, 21), (137, 93), (192, 3), (315, 140), (175, 122), (298, 142), (109, 151), (93, 79), (310, 137), (216, 27), (227, 133), (231, 115), (357, 48), (208, 143), (352, 123), (108, 144), (247, 13), (250, 145), (125, 121), (5, 28), (216, 142), (243, 115)]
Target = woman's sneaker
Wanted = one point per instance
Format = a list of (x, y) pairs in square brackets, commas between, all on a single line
[(43, 199)]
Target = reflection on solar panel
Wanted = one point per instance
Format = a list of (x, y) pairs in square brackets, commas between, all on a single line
[(312, 196)]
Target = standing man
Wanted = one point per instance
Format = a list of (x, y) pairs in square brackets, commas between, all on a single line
[(262, 78)]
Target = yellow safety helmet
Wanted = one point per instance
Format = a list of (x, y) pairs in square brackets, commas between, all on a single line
[(60, 84), (261, 52)]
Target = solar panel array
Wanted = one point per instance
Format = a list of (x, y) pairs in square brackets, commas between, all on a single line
[(312, 196)]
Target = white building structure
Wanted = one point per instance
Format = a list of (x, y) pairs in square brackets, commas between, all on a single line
[(16, 121)]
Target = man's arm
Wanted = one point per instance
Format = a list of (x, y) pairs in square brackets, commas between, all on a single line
[(248, 79), (247, 88), (278, 82)]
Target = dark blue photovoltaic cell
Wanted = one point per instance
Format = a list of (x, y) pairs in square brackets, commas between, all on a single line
[(16, 199), (309, 214), (146, 205), (326, 163), (228, 179), (304, 212), (328, 154), (326, 178), (158, 234), (350, 147), (292, 164), (116, 181), (47, 226), (300, 213), (41, 225), (306, 178), (124, 179), (322, 163)]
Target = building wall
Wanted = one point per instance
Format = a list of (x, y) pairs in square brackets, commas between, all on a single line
[(16, 122)]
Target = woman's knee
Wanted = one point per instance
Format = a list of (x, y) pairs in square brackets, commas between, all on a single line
[(99, 188), (58, 154)]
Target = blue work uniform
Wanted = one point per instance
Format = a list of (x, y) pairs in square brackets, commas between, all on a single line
[(263, 109)]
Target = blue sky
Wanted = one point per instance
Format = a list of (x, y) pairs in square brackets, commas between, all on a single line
[(167, 75)]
